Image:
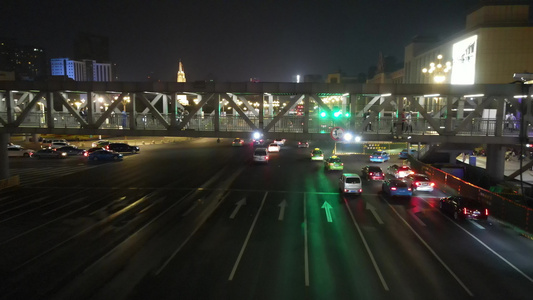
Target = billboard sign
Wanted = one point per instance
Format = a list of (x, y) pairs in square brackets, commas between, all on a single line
[(464, 61)]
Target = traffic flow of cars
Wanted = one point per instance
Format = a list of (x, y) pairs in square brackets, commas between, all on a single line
[(379, 156), (317, 154), (399, 171), (18, 151), (420, 182), (463, 208), (273, 147), (50, 153), (333, 163), (372, 173), (104, 155), (396, 188)]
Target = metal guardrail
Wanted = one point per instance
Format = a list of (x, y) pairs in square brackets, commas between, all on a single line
[(507, 210)]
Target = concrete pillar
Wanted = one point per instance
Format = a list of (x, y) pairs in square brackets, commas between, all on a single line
[(495, 162), (4, 160), (460, 109)]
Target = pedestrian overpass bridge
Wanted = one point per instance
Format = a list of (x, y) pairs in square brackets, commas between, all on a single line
[(439, 113)]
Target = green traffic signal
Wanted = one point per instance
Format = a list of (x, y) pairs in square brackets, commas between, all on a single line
[(337, 114), (323, 114)]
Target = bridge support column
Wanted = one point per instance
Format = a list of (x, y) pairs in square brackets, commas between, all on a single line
[(4, 160), (495, 161)]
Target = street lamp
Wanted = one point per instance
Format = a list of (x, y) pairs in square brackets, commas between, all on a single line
[(125, 101), (438, 70)]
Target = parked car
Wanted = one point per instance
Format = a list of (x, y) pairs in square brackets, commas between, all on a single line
[(49, 153), (379, 156), (260, 155), (18, 151), (396, 188), (405, 153), (101, 155), (72, 150), (463, 208), (372, 173), (399, 171), (122, 147), (333, 163), (350, 183), (419, 182)]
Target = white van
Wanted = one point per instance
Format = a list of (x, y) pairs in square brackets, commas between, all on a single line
[(350, 183)]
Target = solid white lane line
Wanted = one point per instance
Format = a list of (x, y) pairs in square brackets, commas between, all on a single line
[(495, 253), (306, 248), (247, 239), (432, 252), (376, 267), (476, 224)]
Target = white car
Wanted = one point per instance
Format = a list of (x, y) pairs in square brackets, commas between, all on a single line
[(273, 148), (280, 142), (18, 151), (57, 145)]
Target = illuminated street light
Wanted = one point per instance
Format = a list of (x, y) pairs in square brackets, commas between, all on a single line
[(438, 70)]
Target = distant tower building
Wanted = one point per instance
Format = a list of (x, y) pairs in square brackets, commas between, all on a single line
[(181, 73)]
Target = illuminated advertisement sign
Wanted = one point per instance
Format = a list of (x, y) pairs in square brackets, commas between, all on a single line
[(464, 61)]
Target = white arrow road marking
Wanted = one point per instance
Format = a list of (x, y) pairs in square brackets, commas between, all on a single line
[(413, 211), (236, 210), (282, 206), (373, 211)]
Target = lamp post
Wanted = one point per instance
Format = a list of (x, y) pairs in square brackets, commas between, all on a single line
[(438, 70)]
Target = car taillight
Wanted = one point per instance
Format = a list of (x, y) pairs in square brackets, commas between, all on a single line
[(360, 190), (408, 189), (107, 147), (370, 173), (432, 184), (331, 164), (379, 156), (85, 154), (486, 211), (392, 188), (342, 164), (464, 211), (417, 183)]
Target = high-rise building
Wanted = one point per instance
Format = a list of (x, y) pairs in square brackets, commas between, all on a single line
[(25, 62), (86, 70)]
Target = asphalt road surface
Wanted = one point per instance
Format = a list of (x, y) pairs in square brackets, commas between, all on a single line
[(200, 220)]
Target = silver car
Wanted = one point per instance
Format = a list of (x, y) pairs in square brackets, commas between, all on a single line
[(261, 155)]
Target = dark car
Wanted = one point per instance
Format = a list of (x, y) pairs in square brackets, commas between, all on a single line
[(463, 208), (372, 173), (72, 150), (104, 155), (49, 153), (122, 147)]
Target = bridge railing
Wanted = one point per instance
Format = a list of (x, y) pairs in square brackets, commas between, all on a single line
[(292, 124)]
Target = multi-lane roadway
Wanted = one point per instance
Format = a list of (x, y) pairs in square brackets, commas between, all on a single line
[(199, 220)]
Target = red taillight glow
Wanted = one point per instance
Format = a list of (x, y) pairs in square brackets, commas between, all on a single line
[(370, 173), (408, 189), (464, 210), (486, 211), (417, 183), (379, 156), (392, 188), (432, 184)]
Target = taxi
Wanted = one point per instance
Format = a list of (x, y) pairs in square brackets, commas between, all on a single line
[(333, 163), (317, 154), (379, 156)]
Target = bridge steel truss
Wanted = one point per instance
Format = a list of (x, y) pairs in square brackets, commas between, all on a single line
[(449, 114)]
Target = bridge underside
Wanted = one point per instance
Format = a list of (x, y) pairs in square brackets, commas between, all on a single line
[(471, 114)]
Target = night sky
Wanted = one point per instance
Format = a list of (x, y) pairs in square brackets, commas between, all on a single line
[(234, 40)]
